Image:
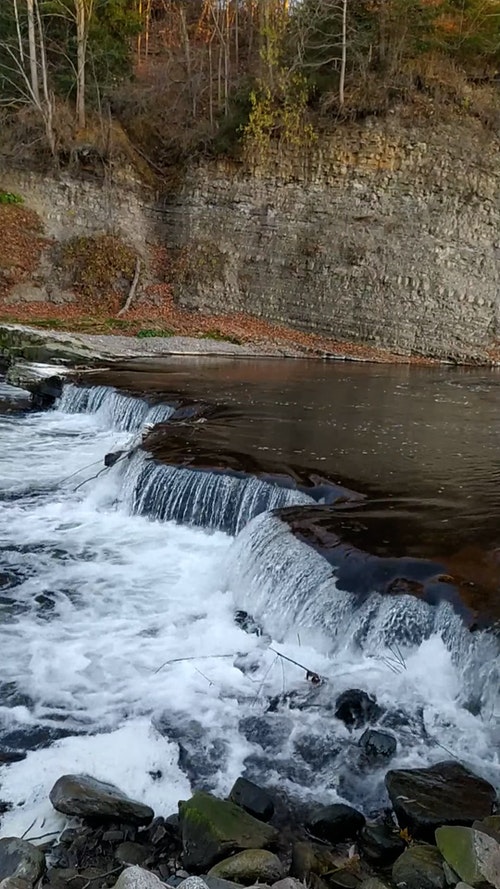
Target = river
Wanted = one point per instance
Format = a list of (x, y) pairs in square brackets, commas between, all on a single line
[(121, 654)]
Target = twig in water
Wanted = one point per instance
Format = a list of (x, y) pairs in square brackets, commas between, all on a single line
[(51, 833), (311, 675), (28, 828), (266, 674), (82, 469), (91, 479), (395, 661), (205, 677), (199, 657)]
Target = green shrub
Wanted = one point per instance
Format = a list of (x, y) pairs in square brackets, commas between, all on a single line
[(147, 333), (9, 197)]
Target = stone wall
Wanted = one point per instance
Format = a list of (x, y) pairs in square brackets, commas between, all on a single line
[(73, 207), (382, 234)]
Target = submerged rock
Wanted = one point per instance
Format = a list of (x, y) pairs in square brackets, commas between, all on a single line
[(420, 867), (356, 708), (473, 855), (377, 744), (212, 829), (335, 823), (87, 797), (253, 799), (20, 860), (250, 866), (201, 756), (446, 793)]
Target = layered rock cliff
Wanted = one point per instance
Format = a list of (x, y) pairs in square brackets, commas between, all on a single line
[(383, 234)]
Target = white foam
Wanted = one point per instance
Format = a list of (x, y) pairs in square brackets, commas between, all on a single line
[(134, 757)]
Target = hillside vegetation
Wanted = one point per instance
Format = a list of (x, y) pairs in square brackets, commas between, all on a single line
[(83, 81)]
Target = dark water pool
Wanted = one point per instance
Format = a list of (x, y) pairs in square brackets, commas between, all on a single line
[(422, 443)]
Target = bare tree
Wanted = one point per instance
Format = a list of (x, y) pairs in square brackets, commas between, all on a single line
[(84, 10), (23, 72), (322, 39), (30, 5)]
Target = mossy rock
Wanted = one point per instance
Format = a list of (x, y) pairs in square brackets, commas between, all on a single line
[(38, 346), (250, 866), (420, 867), (473, 855), (212, 829)]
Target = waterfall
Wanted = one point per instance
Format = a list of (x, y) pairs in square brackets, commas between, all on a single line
[(292, 591), (112, 408), (195, 497)]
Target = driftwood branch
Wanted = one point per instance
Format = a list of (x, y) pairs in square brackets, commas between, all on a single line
[(132, 290)]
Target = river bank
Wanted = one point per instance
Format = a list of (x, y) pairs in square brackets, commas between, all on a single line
[(445, 833)]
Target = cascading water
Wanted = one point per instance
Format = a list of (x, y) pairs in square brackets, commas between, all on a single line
[(112, 408), (120, 650), (205, 499)]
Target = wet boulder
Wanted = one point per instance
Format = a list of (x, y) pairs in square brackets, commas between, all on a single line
[(201, 754), (138, 878), (446, 793), (380, 844), (248, 867), (420, 867), (473, 855), (253, 799), (311, 860), (198, 883), (289, 883), (377, 745), (212, 829), (270, 731), (335, 823), (86, 797), (21, 861), (373, 883), (132, 853), (355, 708), (490, 825), (343, 878)]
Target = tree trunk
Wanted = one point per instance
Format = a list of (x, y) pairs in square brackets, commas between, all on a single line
[(81, 50), (343, 63), (32, 50)]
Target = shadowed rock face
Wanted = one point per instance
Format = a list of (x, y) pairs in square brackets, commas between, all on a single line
[(357, 541)]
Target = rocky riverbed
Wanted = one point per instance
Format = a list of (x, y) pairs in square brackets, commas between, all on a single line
[(440, 833)]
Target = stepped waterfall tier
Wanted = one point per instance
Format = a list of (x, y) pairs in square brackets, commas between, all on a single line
[(160, 626)]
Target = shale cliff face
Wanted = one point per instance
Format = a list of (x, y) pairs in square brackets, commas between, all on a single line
[(382, 234)]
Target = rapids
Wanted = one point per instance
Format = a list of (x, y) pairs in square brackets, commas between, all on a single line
[(121, 655)]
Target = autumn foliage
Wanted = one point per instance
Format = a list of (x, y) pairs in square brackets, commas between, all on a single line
[(187, 77)]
